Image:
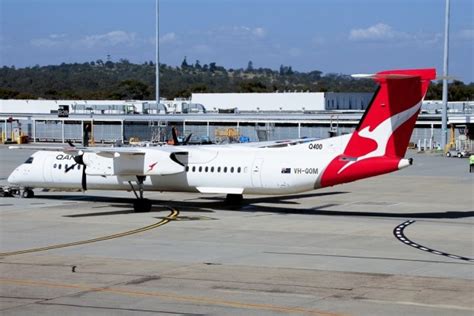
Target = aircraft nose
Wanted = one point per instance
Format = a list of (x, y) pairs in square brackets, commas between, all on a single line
[(13, 178)]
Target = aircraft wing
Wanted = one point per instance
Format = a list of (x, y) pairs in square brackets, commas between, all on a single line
[(124, 161), (273, 144), (135, 161), (127, 161)]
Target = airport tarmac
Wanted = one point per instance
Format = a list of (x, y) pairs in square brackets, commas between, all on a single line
[(398, 244)]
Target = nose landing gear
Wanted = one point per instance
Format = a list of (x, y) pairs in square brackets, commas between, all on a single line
[(140, 204), (27, 194), (17, 192)]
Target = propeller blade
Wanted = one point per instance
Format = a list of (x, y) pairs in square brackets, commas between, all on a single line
[(175, 136), (79, 159), (66, 170), (188, 138), (84, 179)]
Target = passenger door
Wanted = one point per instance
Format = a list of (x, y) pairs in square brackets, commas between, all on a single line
[(48, 168)]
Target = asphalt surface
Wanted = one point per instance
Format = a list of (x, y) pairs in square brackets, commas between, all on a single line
[(396, 244)]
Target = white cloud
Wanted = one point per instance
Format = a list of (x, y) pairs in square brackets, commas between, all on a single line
[(44, 42), (57, 36), (382, 33), (294, 52), (51, 41), (259, 32), (168, 38), (318, 41), (378, 31), (429, 39), (202, 48), (466, 34), (113, 38), (242, 32)]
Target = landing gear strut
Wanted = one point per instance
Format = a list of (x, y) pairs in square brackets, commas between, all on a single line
[(140, 204)]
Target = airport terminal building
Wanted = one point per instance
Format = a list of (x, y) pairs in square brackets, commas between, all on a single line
[(219, 117)]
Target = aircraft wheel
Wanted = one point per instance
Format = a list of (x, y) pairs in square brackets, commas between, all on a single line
[(448, 154), (28, 194), (142, 205)]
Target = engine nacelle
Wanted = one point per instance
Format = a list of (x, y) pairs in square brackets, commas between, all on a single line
[(164, 163), (153, 162)]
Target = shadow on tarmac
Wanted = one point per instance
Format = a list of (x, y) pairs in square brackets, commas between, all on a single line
[(249, 205)]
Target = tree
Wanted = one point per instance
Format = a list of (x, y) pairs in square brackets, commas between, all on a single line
[(253, 86), (286, 70), (197, 65), (8, 94), (212, 67), (315, 75), (109, 64), (184, 64), (137, 81), (132, 90), (249, 66)]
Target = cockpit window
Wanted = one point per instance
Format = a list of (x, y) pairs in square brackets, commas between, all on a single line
[(29, 160)]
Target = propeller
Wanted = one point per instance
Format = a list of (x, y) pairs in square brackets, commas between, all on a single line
[(79, 159), (176, 141)]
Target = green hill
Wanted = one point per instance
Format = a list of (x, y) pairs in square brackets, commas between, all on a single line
[(124, 80)]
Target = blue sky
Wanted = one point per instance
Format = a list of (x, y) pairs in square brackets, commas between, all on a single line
[(341, 36)]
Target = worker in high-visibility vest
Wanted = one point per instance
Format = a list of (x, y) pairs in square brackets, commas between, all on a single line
[(471, 163)]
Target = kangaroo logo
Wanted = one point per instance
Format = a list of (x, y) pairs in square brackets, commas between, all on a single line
[(151, 166), (381, 134)]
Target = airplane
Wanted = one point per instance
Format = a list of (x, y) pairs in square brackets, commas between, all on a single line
[(377, 146)]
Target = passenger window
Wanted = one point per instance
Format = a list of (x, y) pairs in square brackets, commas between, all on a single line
[(206, 169), (187, 168), (200, 169), (29, 160), (231, 169), (225, 169), (218, 169), (194, 168), (212, 169), (238, 170), (78, 167), (59, 166)]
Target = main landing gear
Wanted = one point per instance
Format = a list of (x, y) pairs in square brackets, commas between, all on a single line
[(140, 204)]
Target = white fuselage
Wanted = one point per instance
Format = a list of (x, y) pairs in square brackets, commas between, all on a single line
[(230, 169)]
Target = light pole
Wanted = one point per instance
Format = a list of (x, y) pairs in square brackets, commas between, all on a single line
[(157, 62), (444, 115)]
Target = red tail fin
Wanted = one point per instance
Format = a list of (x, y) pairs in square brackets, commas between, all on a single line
[(381, 139)]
